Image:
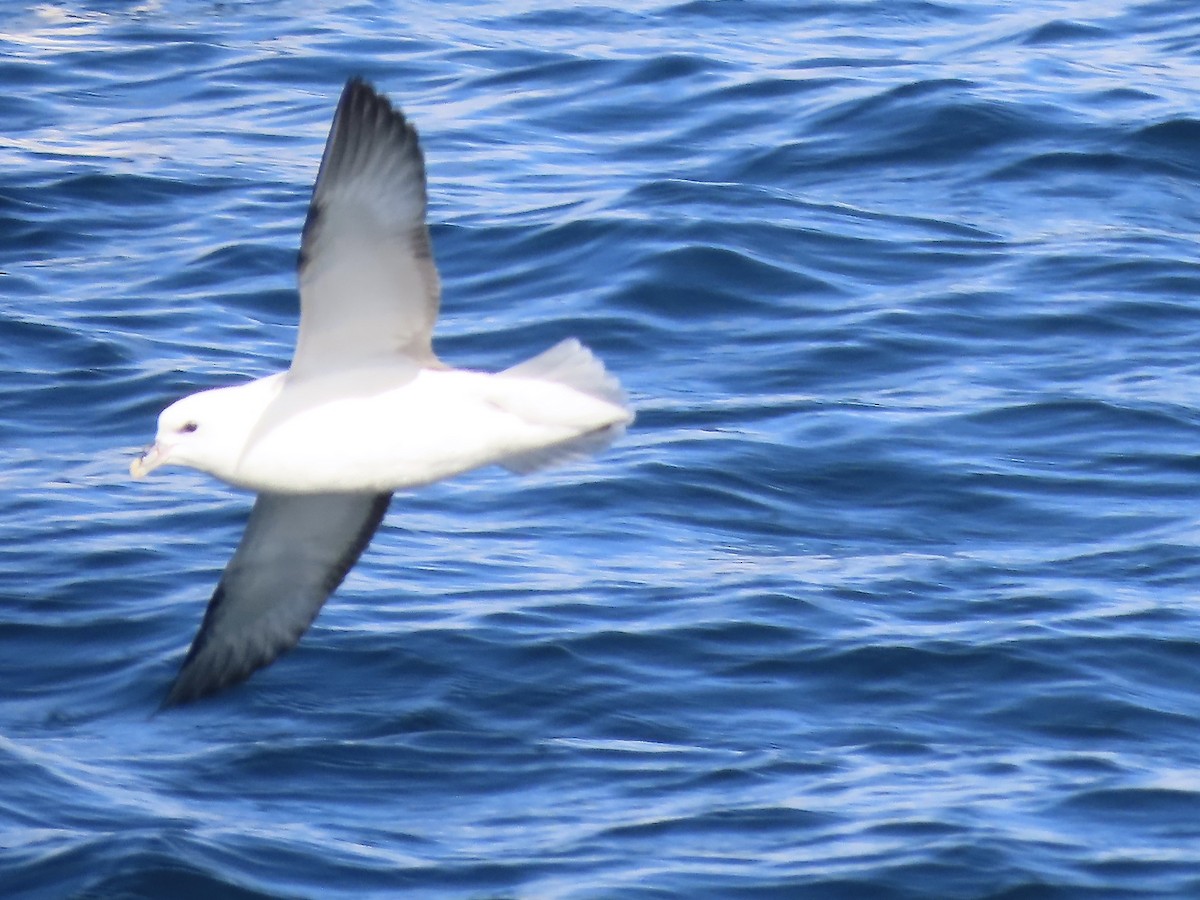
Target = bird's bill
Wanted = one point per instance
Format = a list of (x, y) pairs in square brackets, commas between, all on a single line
[(152, 457)]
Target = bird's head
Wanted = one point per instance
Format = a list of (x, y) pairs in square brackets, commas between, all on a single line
[(206, 431)]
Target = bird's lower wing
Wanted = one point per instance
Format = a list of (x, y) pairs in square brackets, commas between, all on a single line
[(296, 550)]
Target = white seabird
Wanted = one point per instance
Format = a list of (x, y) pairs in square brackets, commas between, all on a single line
[(365, 408)]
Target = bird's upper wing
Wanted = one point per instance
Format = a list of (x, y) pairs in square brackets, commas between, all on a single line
[(296, 550), (368, 282)]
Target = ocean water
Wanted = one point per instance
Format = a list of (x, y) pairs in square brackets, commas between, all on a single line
[(891, 591)]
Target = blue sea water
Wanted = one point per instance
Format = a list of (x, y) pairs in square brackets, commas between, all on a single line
[(891, 591)]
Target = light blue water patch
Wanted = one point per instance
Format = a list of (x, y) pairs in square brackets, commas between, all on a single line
[(891, 590)]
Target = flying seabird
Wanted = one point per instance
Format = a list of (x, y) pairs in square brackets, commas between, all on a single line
[(366, 407)]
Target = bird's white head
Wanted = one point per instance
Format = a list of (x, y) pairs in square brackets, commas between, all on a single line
[(207, 431)]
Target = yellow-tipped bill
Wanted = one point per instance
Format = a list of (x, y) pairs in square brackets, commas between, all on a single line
[(152, 457)]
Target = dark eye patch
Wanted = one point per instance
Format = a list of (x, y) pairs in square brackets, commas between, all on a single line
[(189, 427)]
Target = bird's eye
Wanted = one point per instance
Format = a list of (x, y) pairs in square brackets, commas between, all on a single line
[(189, 427)]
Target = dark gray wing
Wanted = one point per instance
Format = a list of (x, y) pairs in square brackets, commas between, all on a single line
[(296, 550), (368, 283)]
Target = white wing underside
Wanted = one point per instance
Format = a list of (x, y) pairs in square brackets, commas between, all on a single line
[(368, 283)]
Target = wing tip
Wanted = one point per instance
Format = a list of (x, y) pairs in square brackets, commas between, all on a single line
[(362, 104), (196, 681), (212, 667), (367, 132)]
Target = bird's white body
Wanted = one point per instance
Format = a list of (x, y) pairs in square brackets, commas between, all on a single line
[(384, 427)]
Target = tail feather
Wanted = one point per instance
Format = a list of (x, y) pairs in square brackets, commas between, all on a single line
[(569, 362), (567, 451)]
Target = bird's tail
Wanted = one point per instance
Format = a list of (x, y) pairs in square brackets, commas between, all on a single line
[(574, 365)]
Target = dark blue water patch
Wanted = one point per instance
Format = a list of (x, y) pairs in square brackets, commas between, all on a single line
[(126, 190), (1063, 31), (831, 357), (691, 498), (398, 62), (66, 865), (262, 302), (1173, 30), (64, 216), (764, 88), (1147, 806), (147, 50), (525, 66), (764, 822), (225, 265), (1051, 423), (642, 85), (668, 67), (160, 875), (1081, 164), (1169, 144), (900, 96), (964, 870), (19, 204), (585, 16), (23, 113), (679, 284), (33, 227), (907, 129), (39, 408), (1082, 715), (17, 67), (1139, 877), (852, 62), (538, 259), (686, 284), (1110, 97), (834, 888), (1152, 284), (923, 679), (47, 349), (772, 14), (1082, 764)]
